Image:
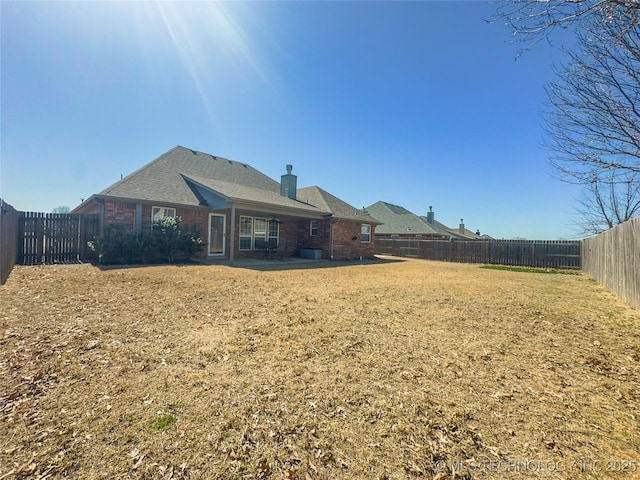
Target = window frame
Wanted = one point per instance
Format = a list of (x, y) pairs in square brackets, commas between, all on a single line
[(363, 234), (313, 228), (270, 231), (261, 228), (164, 211), (244, 235)]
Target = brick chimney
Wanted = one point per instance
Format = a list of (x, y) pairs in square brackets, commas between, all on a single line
[(461, 226), (430, 215), (289, 184)]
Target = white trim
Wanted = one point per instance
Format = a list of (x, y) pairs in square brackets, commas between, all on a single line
[(224, 235), (367, 234), (263, 232), (244, 235), (164, 213)]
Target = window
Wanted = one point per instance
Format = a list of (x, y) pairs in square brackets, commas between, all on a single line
[(365, 233), (274, 228), (252, 229), (159, 213), (246, 233), (260, 228), (313, 228)]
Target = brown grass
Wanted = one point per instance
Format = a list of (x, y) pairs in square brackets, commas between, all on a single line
[(396, 370)]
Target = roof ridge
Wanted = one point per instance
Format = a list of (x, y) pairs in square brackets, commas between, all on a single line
[(139, 170)]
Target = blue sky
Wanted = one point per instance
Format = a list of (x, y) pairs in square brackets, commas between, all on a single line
[(413, 103)]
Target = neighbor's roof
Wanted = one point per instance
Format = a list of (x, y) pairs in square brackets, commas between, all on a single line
[(454, 232), (398, 220), (178, 176), (439, 227)]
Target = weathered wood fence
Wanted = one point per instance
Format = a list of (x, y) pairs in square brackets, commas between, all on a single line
[(31, 238), (525, 253), (9, 219), (613, 259), (54, 237)]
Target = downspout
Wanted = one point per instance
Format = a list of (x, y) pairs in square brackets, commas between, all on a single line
[(232, 238)]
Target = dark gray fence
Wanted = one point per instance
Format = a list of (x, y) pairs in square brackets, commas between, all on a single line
[(55, 237), (9, 219), (524, 253)]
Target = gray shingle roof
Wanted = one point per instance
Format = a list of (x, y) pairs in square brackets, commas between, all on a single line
[(332, 204), (398, 220), (178, 176), (440, 228), (161, 179), (236, 191)]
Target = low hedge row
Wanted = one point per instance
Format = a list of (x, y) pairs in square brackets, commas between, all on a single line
[(167, 241)]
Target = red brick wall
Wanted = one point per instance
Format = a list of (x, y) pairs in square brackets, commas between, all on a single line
[(344, 244), (322, 240), (294, 233), (346, 241), (117, 213)]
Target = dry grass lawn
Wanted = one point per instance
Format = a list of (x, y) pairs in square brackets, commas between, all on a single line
[(397, 369)]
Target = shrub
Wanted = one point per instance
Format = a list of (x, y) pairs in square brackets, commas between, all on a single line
[(167, 241)]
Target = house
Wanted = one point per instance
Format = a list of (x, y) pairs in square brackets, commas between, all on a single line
[(398, 222), (460, 233), (239, 210)]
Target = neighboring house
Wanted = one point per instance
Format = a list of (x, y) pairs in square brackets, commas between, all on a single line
[(238, 210), (460, 233), (398, 222)]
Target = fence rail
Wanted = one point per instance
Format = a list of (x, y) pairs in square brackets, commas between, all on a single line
[(613, 259), (525, 253), (9, 219)]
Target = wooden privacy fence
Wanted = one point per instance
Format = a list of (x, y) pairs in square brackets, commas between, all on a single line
[(55, 237), (525, 253), (613, 259), (9, 218)]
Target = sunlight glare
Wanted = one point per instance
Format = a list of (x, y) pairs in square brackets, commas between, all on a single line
[(213, 46)]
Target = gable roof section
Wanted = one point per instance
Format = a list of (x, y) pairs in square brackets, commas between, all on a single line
[(250, 194), (398, 220), (334, 206), (161, 180)]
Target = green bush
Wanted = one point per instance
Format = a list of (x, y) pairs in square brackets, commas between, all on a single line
[(167, 241)]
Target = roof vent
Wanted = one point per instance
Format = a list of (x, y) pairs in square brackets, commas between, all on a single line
[(194, 152)]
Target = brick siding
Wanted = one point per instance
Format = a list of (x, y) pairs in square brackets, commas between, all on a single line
[(117, 213), (293, 233)]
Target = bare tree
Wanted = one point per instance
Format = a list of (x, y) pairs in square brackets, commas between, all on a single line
[(593, 109), (606, 203), (61, 209), (593, 123), (533, 20)]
